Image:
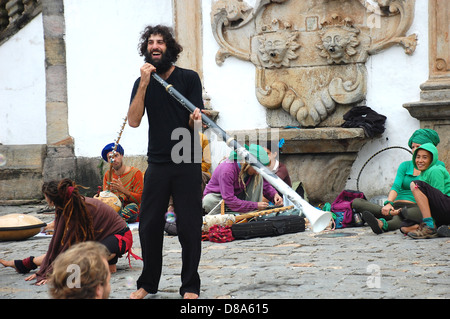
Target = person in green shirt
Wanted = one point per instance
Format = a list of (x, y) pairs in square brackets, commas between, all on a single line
[(388, 217), (431, 192)]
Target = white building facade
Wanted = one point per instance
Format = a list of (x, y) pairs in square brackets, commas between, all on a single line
[(102, 63)]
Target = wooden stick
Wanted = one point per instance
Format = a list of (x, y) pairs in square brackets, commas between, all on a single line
[(111, 158), (230, 219), (242, 217)]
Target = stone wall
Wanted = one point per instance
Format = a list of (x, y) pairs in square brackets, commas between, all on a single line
[(21, 171)]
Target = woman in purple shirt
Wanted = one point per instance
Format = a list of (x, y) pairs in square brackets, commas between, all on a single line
[(239, 186)]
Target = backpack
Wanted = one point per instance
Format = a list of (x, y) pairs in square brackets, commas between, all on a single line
[(342, 206)]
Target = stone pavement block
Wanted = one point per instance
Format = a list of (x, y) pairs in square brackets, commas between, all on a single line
[(293, 266)]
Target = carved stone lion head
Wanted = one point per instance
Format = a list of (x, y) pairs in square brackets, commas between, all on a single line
[(339, 40), (338, 45), (277, 49)]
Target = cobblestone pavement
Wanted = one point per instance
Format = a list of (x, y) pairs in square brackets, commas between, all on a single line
[(351, 263)]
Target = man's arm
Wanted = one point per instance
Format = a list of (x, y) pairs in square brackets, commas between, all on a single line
[(136, 109)]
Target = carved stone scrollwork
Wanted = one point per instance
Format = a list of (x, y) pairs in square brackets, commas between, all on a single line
[(15, 14), (391, 8), (310, 55)]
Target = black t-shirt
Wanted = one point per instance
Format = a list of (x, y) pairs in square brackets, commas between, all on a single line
[(165, 115)]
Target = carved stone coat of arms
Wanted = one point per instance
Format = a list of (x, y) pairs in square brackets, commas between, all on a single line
[(310, 55)]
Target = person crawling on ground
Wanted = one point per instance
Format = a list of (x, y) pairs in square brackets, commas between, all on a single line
[(77, 219)]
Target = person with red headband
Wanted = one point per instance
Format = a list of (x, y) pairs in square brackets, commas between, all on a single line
[(77, 219)]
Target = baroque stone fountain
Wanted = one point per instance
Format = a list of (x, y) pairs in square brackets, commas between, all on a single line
[(309, 58)]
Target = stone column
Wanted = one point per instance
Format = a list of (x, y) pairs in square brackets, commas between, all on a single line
[(433, 109), (188, 28), (188, 32), (60, 160)]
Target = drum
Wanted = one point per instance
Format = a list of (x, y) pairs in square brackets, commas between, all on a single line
[(19, 226), (110, 199)]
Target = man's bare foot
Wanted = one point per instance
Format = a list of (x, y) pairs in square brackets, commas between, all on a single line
[(139, 294), (190, 295)]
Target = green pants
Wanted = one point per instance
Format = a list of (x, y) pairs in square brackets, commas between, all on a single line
[(394, 222)]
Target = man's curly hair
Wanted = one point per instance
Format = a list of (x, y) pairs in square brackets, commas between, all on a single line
[(78, 271), (173, 48)]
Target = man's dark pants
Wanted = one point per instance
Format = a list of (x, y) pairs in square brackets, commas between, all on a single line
[(183, 182)]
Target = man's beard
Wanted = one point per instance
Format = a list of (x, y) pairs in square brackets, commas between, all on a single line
[(117, 165), (162, 65)]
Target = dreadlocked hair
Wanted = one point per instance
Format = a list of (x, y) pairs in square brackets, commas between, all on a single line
[(71, 206)]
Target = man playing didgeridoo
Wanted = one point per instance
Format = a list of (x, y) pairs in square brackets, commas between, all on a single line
[(169, 126)]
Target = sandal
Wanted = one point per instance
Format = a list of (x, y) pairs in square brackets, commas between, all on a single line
[(372, 222)]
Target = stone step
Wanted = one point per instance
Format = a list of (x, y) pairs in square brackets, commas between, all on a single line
[(21, 171)]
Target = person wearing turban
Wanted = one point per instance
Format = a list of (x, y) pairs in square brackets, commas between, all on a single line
[(109, 148), (388, 217), (127, 182), (423, 136)]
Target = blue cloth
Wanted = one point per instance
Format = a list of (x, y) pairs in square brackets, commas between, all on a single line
[(109, 148)]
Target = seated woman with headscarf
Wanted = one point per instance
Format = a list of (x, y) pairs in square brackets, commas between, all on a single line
[(432, 194), (239, 185), (388, 217)]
